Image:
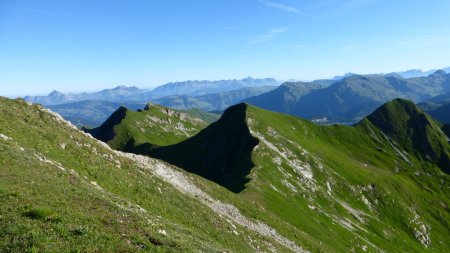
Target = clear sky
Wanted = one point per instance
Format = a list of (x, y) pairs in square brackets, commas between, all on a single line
[(77, 45)]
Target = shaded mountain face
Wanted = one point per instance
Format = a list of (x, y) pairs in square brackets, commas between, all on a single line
[(90, 113), (214, 101), (63, 191), (155, 125), (354, 97), (221, 153), (360, 182)]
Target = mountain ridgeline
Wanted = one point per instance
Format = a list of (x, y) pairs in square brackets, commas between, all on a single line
[(213, 101), (197, 88), (134, 94), (155, 125), (352, 98)]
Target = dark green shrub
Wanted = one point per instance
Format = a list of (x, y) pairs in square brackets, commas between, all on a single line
[(39, 213)]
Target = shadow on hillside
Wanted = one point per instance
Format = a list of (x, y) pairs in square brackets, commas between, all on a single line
[(221, 153)]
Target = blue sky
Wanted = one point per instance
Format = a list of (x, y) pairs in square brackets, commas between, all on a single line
[(83, 45)]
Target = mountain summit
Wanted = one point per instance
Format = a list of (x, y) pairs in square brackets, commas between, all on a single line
[(409, 127), (221, 152)]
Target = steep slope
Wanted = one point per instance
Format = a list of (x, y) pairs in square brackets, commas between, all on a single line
[(63, 191), (90, 112), (284, 97), (214, 101), (340, 188), (155, 125), (221, 153), (414, 131)]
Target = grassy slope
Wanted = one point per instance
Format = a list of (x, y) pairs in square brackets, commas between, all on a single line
[(100, 202), (413, 130), (156, 125), (355, 168), (338, 188)]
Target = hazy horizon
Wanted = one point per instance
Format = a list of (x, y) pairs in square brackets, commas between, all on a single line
[(99, 88)]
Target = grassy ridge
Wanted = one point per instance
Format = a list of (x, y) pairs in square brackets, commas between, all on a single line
[(339, 188), (61, 191), (155, 126)]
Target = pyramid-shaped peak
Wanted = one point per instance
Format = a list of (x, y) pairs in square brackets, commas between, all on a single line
[(56, 93)]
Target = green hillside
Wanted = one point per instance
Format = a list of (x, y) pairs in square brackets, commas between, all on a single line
[(63, 191), (339, 188), (155, 125), (413, 130), (90, 113)]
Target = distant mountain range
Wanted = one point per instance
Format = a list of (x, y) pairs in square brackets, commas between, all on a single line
[(196, 88), (419, 73), (350, 99), (214, 101), (134, 94), (118, 94), (342, 99)]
